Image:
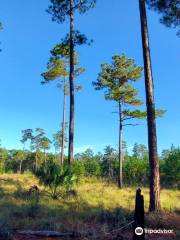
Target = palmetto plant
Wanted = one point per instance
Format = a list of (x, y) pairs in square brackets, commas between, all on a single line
[(54, 176)]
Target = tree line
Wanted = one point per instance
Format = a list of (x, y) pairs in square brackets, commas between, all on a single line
[(102, 164)]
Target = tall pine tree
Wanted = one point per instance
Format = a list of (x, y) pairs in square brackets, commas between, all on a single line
[(60, 11)]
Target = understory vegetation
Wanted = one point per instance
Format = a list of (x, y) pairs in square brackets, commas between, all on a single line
[(102, 165), (97, 207)]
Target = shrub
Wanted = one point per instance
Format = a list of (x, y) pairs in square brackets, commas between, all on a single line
[(92, 168), (136, 171), (52, 175), (78, 168), (170, 169)]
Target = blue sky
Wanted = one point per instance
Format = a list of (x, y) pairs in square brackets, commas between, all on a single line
[(29, 35)]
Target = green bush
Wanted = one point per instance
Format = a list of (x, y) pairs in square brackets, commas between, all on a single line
[(53, 176), (78, 168), (170, 169), (136, 171), (92, 168)]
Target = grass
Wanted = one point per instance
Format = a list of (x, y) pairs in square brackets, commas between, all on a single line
[(98, 206)]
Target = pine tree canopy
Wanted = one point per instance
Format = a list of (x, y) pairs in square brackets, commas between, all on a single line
[(115, 78), (58, 67), (121, 70), (55, 69), (169, 10), (60, 9)]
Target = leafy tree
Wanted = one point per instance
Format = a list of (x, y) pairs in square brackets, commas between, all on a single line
[(3, 158), (78, 168), (171, 169), (87, 154), (59, 141), (140, 151), (45, 145), (115, 78), (26, 135), (135, 171), (20, 156), (109, 161), (37, 144), (92, 167), (154, 203), (169, 10), (60, 11)]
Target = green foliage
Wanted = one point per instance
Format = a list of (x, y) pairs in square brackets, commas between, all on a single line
[(136, 171), (92, 168), (78, 168), (60, 10), (57, 139), (3, 159), (119, 72), (58, 179), (40, 142), (140, 151), (169, 10), (53, 176), (58, 66), (109, 163), (170, 169), (115, 78), (55, 69)]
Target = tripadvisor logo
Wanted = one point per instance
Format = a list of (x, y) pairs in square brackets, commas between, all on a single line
[(138, 231)]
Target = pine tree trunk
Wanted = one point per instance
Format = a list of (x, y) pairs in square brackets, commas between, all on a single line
[(120, 180), (36, 161), (152, 139), (71, 84), (63, 124), (44, 155), (20, 166)]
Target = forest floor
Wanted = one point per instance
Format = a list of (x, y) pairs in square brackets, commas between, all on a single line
[(98, 210)]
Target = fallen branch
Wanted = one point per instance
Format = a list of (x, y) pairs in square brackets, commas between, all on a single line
[(44, 233)]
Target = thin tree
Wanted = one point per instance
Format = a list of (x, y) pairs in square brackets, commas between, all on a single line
[(45, 145), (36, 144), (26, 135), (152, 138), (60, 10), (115, 78), (57, 69), (58, 139)]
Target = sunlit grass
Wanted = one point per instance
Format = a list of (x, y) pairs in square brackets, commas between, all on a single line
[(95, 198)]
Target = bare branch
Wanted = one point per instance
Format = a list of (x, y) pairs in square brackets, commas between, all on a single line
[(127, 118), (132, 124)]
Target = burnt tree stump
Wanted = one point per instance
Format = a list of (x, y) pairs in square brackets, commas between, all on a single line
[(139, 221)]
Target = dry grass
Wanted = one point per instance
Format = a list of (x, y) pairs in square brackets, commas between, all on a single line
[(98, 207)]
